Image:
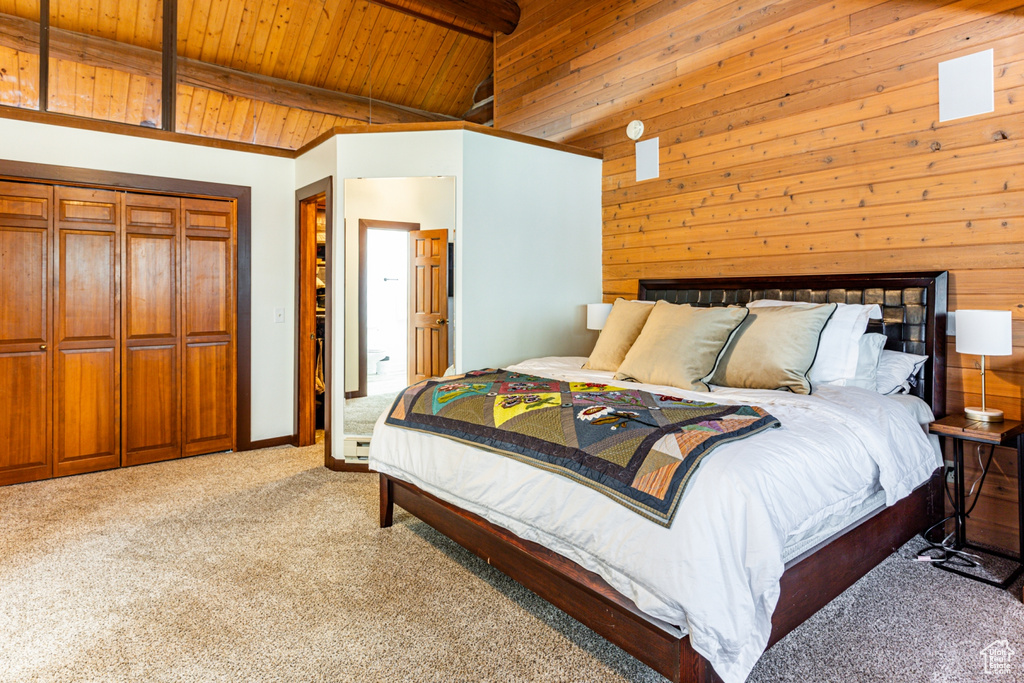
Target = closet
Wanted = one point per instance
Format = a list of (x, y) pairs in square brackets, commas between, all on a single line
[(117, 328)]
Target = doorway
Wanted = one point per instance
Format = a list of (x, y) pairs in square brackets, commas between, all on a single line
[(384, 338), (314, 238), (397, 236), (382, 320)]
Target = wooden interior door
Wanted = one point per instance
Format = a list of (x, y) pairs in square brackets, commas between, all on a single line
[(306, 307), (87, 411), (209, 320), (428, 304), (26, 355), (151, 348)]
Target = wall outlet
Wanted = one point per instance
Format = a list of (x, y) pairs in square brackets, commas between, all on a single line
[(278, 315)]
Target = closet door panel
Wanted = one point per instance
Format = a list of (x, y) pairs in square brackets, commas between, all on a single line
[(25, 332), (24, 417), (208, 280), (151, 377), (209, 417), (208, 316), (87, 293), (23, 285), (150, 301), (152, 407), (88, 429), (87, 415)]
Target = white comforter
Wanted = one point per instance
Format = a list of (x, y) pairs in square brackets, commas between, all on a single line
[(715, 572)]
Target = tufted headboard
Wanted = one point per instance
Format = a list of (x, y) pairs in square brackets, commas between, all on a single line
[(913, 309)]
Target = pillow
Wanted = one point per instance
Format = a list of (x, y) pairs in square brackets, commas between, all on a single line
[(870, 350), (774, 348), (680, 344), (897, 371), (839, 346), (620, 330)]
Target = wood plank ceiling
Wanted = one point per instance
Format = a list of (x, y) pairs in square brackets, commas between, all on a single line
[(354, 47)]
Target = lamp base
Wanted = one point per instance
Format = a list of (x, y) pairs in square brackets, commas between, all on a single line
[(988, 415)]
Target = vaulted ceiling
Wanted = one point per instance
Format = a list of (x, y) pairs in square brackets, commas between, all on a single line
[(272, 72)]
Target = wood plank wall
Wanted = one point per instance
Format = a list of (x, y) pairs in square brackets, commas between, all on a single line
[(796, 137)]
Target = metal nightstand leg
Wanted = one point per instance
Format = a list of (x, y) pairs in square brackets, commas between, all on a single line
[(960, 519)]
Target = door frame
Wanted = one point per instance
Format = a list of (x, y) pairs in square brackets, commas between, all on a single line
[(324, 186), (242, 195), (364, 225)]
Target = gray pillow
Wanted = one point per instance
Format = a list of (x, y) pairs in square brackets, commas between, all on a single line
[(680, 344), (774, 348)]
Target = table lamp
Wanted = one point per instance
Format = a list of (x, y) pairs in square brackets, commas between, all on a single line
[(984, 333), (597, 314)]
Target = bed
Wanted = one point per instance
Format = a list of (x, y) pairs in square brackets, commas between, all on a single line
[(826, 559)]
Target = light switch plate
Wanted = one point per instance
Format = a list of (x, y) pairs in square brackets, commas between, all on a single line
[(278, 315)]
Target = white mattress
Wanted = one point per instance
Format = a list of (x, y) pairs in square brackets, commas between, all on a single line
[(754, 504)]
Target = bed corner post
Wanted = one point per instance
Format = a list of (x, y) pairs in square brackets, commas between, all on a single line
[(693, 668), (387, 502)]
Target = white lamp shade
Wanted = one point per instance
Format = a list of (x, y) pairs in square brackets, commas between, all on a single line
[(597, 314), (984, 333)]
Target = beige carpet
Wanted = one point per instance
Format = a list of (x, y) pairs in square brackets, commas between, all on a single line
[(265, 566), (361, 413)]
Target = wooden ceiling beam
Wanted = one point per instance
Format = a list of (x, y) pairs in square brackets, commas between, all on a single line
[(23, 35), (491, 15), (486, 36)]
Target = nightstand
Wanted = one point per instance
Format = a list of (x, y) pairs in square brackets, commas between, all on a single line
[(1007, 433)]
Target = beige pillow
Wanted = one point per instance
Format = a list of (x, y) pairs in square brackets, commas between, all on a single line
[(680, 344), (620, 331), (774, 348)]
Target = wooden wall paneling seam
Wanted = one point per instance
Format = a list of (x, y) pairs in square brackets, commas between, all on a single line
[(26, 418)]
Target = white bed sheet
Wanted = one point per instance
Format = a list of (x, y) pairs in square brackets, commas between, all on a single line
[(715, 572)]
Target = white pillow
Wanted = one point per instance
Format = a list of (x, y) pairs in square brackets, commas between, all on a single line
[(870, 351), (839, 346), (896, 371)]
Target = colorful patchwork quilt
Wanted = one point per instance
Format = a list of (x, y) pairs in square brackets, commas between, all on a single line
[(637, 448)]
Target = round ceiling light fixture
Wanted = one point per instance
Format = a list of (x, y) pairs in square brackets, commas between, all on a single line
[(635, 129)]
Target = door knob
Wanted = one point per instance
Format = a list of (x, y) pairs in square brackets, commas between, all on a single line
[(312, 335), (442, 321), (42, 347)]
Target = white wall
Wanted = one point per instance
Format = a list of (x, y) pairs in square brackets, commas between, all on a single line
[(428, 201), (273, 232), (527, 243), (383, 155), (530, 255)]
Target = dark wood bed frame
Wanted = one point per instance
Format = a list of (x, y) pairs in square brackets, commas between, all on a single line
[(914, 320)]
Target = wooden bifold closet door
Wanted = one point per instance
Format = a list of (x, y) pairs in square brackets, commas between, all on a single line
[(151, 350), (209, 318), (26, 332), (87, 406), (117, 329)]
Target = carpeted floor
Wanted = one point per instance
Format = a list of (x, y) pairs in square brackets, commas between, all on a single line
[(362, 413), (265, 566)]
